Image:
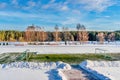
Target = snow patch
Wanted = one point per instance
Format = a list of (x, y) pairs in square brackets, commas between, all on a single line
[(33, 65), (107, 70), (45, 71)]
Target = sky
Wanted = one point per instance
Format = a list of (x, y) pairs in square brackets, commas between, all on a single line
[(94, 14)]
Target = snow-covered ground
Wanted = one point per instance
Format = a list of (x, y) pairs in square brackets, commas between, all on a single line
[(105, 70), (50, 49), (32, 71)]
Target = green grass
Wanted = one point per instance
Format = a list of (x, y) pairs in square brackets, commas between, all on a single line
[(68, 58)]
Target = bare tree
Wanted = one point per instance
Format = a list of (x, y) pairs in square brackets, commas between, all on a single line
[(82, 34), (65, 29), (30, 33), (100, 37), (44, 34), (38, 33), (56, 34), (35, 34), (71, 38), (111, 37)]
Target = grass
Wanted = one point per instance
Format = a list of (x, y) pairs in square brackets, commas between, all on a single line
[(68, 58)]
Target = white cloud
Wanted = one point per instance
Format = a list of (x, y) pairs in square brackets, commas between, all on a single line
[(76, 12), (15, 2), (52, 1), (94, 5), (27, 16), (3, 5), (60, 6), (70, 20), (64, 8), (46, 6), (17, 14), (103, 16), (89, 5), (107, 16), (31, 3)]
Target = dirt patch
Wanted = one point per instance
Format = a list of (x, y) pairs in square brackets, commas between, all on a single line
[(74, 74)]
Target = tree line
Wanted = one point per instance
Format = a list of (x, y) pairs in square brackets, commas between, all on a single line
[(35, 33)]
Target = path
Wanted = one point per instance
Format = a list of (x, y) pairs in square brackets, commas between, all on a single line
[(76, 73)]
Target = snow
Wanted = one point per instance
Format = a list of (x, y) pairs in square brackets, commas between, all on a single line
[(23, 74), (107, 70), (32, 71), (62, 49), (62, 75)]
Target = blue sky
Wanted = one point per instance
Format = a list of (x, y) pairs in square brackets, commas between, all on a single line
[(94, 14)]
